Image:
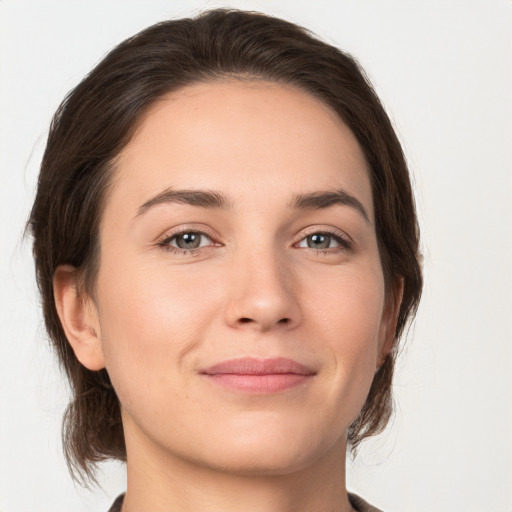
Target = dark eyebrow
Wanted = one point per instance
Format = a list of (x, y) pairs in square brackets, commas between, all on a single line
[(201, 198), (318, 200)]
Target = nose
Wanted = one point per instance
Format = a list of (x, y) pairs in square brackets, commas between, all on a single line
[(263, 294)]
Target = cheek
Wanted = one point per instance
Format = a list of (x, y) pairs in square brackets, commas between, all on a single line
[(349, 304), (150, 320), (347, 310)]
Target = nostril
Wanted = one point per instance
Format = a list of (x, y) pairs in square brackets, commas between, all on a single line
[(245, 320)]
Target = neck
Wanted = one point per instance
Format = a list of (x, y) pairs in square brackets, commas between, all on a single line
[(161, 482)]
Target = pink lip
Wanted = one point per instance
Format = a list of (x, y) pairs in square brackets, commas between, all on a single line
[(259, 375)]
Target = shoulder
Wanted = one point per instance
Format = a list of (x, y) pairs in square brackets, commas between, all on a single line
[(361, 505), (358, 503)]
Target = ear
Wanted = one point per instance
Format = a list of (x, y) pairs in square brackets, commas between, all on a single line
[(389, 321), (79, 318)]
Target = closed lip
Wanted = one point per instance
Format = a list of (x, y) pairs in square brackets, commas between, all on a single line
[(258, 376), (256, 366)]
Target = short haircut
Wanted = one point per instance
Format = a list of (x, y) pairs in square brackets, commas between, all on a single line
[(97, 120)]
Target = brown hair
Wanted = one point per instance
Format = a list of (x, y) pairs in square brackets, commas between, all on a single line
[(97, 119)]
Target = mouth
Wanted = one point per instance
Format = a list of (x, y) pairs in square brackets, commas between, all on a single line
[(261, 376)]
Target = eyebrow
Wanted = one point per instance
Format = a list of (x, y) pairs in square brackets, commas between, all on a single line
[(217, 200), (201, 198), (319, 200)]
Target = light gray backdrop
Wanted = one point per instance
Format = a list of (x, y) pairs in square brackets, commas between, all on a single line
[(443, 70)]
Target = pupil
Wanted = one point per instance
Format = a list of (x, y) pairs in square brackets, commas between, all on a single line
[(188, 241), (318, 241)]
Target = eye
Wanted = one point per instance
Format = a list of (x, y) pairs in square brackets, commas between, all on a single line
[(186, 241), (323, 241)]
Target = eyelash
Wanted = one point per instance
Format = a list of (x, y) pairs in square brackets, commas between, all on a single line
[(344, 244), (165, 243)]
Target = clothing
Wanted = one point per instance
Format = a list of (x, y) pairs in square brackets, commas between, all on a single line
[(116, 506), (358, 503)]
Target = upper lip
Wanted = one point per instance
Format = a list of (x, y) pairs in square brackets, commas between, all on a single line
[(255, 366)]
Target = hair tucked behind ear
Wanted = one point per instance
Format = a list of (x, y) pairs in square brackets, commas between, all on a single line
[(97, 119), (92, 425)]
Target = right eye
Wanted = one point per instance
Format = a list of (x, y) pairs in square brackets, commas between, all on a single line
[(186, 241)]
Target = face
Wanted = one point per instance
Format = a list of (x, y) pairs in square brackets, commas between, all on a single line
[(239, 306)]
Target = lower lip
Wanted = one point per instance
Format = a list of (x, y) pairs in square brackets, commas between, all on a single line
[(262, 384)]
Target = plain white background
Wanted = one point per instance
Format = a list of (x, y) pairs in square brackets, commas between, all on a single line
[(443, 70)]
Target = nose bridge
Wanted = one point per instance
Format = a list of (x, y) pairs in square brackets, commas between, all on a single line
[(263, 290)]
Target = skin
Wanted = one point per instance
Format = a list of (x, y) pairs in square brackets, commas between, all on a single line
[(253, 288)]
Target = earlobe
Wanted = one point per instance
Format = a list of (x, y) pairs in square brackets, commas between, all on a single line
[(389, 321), (79, 318)]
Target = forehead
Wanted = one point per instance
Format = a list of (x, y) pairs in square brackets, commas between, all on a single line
[(241, 137)]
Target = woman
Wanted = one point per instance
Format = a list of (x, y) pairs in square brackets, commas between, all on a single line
[(227, 250)]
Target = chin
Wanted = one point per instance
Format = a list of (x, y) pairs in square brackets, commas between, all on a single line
[(265, 450), (260, 462)]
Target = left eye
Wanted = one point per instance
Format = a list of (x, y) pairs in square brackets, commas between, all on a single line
[(320, 241), (188, 240)]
